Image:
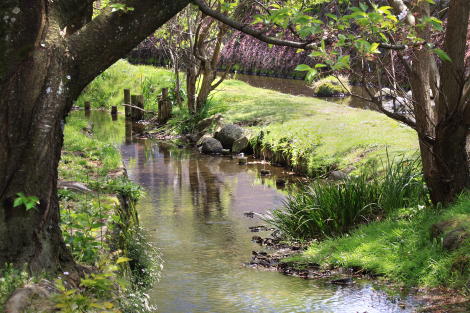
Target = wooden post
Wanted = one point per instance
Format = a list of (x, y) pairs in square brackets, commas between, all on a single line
[(164, 107), (87, 106), (137, 101), (140, 104), (114, 112), (127, 100)]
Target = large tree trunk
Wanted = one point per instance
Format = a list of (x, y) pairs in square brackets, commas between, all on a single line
[(43, 68), (445, 162)]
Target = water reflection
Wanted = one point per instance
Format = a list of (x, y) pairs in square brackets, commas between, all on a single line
[(195, 208)]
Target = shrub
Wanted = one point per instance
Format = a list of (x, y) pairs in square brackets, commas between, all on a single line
[(326, 209), (331, 87)]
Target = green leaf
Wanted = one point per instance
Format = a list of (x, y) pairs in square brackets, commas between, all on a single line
[(303, 68), (442, 54), (122, 260)]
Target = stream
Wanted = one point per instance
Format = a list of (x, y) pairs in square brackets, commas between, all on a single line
[(193, 212)]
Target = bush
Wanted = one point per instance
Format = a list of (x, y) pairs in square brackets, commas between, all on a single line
[(327, 209), (331, 87)]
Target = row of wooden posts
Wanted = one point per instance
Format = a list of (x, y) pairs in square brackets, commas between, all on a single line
[(134, 107)]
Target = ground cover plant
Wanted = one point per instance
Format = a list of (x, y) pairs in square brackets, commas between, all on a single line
[(402, 248)]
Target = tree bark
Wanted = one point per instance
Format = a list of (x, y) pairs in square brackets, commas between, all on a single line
[(43, 68)]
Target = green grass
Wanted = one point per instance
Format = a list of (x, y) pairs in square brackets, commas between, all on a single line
[(323, 209), (400, 247), (316, 134), (107, 89), (320, 134)]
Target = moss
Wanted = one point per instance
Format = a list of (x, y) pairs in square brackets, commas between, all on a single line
[(331, 87)]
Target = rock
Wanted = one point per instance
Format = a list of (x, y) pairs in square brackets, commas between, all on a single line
[(201, 140), (228, 135), (453, 232), (280, 182), (249, 214), (265, 172), (29, 299), (337, 175), (243, 160), (208, 122), (211, 146), (73, 186), (387, 93), (240, 144), (454, 239), (226, 151)]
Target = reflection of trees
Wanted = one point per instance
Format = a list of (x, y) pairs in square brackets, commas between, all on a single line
[(206, 187)]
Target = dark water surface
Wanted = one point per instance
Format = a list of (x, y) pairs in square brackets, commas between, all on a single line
[(194, 214)]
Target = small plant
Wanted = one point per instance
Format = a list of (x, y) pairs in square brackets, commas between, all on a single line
[(10, 279), (29, 202)]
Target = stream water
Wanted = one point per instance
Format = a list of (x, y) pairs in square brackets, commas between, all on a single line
[(193, 212)]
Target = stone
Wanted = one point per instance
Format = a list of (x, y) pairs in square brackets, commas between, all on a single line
[(452, 232), (240, 144), (226, 151), (208, 122), (280, 182), (337, 175), (73, 186), (454, 239), (201, 140), (228, 135), (265, 172), (243, 161), (211, 146)]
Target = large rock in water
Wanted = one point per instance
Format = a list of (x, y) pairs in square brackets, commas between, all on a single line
[(211, 146), (228, 134), (240, 145)]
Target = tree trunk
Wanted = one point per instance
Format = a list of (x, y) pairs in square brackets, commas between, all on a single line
[(43, 68), (445, 162), (191, 79)]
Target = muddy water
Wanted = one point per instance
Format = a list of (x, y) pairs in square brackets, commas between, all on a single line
[(194, 214)]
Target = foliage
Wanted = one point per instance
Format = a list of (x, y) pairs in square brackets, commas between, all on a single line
[(106, 90), (96, 224), (29, 202), (10, 279), (98, 293), (400, 247), (331, 86), (327, 208)]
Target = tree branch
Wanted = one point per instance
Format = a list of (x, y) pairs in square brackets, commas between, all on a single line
[(248, 30), (270, 40), (111, 35)]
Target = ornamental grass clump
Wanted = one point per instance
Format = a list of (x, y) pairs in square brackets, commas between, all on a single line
[(324, 209)]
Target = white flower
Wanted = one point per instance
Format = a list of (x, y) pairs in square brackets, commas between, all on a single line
[(403, 14)]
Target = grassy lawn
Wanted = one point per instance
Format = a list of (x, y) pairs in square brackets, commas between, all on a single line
[(322, 132), (401, 248)]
